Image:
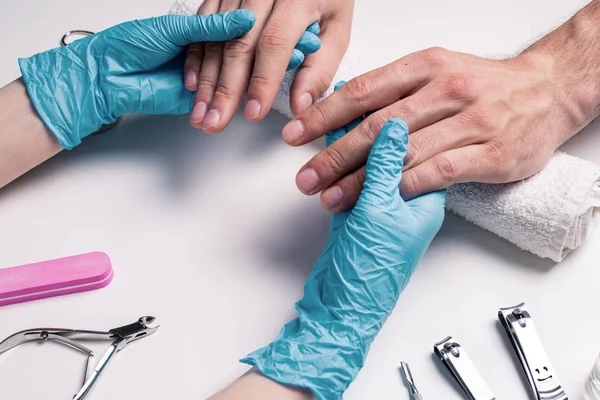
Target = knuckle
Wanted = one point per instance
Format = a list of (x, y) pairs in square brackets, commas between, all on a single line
[(445, 168), (224, 91), (206, 83), (433, 56), (323, 81), (272, 38), (410, 185), (319, 115), (243, 46), (194, 49), (373, 125), (404, 110), (413, 153), (498, 153), (458, 87), (334, 160), (259, 81), (358, 89), (213, 47), (481, 119)]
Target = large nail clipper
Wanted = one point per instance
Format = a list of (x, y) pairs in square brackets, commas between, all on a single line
[(121, 337), (456, 359), (519, 327)]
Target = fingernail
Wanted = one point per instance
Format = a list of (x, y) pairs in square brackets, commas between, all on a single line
[(293, 131), (198, 113), (332, 197), (191, 80), (252, 110), (306, 101), (307, 181), (212, 118)]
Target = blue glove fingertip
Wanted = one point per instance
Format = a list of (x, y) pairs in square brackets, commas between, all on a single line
[(309, 43), (296, 60), (314, 28), (339, 85)]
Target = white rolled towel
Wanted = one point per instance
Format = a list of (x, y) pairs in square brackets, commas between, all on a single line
[(549, 214)]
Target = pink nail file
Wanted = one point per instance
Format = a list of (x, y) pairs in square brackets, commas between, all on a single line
[(55, 278)]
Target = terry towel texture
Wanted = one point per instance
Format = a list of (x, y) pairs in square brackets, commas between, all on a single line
[(549, 214)]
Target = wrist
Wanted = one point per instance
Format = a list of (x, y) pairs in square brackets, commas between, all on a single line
[(322, 358), (568, 59)]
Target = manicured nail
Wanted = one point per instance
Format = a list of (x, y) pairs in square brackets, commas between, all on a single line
[(306, 101), (212, 118), (293, 131), (332, 197), (252, 110), (198, 113), (191, 80), (307, 181)]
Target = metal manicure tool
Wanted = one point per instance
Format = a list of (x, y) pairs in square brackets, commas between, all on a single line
[(121, 337), (456, 359), (519, 327), (410, 383)]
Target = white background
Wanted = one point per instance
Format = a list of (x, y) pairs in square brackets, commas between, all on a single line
[(210, 234)]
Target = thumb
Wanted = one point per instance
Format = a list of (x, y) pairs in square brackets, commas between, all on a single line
[(183, 30), (384, 166)]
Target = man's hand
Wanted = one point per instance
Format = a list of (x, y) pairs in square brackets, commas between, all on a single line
[(471, 119), (256, 63)]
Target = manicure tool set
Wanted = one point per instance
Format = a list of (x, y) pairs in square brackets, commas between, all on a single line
[(520, 329)]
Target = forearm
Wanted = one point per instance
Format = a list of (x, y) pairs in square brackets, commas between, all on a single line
[(572, 55), (254, 386), (25, 142)]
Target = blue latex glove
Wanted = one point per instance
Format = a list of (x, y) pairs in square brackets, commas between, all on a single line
[(309, 43), (136, 66), (370, 255)]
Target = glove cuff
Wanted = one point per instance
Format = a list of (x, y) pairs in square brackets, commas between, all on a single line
[(323, 359), (58, 93)]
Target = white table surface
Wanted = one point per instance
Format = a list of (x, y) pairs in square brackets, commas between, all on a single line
[(210, 234)]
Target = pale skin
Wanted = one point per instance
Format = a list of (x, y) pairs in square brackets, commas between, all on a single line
[(545, 95), (471, 119)]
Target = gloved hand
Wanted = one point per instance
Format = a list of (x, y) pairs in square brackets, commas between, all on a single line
[(136, 66), (370, 255)]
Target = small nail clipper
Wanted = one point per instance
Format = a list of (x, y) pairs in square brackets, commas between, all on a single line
[(519, 327), (121, 337), (410, 383), (456, 359)]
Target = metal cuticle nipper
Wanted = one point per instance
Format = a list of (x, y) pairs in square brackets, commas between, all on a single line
[(121, 337)]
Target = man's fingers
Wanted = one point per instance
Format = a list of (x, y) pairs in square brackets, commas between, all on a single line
[(426, 107), (315, 77), (344, 194), (193, 61), (450, 133), (285, 27), (472, 163), (368, 92)]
